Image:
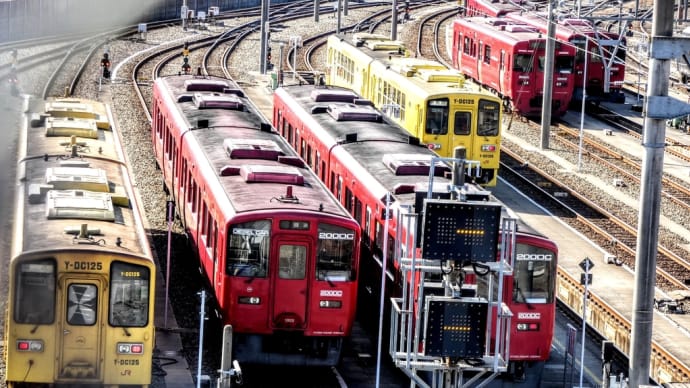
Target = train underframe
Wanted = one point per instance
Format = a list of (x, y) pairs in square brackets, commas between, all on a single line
[(288, 348)]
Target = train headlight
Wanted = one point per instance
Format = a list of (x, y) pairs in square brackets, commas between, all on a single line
[(30, 345), (488, 147), (528, 326), (523, 82), (330, 304), (249, 300), (130, 348), (433, 146)]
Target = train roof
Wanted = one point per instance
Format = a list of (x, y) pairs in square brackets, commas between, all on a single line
[(379, 154), (75, 190), (248, 165), (506, 30), (391, 60)]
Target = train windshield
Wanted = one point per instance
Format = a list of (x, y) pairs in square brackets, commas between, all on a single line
[(488, 119), (129, 295), (437, 117), (335, 258), (248, 249), (523, 63), (35, 292), (534, 275), (563, 64)]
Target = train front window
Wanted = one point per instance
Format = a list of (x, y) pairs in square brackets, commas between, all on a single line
[(335, 259), (292, 261), (564, 64), (82, 304), (534, 275), (462, 123), (129, 295), (248, 248), (34, 301), (437, 117), (522, 63), (488, 123)]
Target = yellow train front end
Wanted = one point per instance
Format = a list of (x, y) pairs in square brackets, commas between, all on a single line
[(80, 305), (80, 317), (433, 103)]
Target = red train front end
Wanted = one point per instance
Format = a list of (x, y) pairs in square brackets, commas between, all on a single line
[(290, 289)]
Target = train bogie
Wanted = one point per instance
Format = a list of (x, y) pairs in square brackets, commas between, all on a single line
[(81, 290), (434, 104), (278, 251)]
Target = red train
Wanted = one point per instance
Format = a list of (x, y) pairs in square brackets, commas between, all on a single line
[(363, 158), (279, 252), (508, 58), (605, 59)]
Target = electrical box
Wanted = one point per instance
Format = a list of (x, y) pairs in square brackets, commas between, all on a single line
[(463, 231), (455, 327)]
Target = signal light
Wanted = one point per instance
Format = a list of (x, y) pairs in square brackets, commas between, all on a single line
[(330, 304), (30, 345), (130, 348), (528, 327), (249, 300)]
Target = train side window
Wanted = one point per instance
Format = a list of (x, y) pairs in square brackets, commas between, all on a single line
[(462, 123), (348, 200), (335, 259), (323, 171), (466, 43), (34, 302), (487, 55), (358, 211), (332, 185), (129, 295), (248, 249), (310, 159), (204, 218), (292, 261), (339, 188), (317, 161), (367, 227)]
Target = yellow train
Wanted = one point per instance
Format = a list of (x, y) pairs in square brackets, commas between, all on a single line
[(433, 103), (81, 274)]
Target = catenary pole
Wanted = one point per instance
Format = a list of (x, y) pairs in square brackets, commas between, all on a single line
[(548, 79), (650, 197)]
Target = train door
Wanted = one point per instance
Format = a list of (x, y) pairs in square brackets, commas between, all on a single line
[(291, 282), (503, 80), (480, 54), (80, 329)]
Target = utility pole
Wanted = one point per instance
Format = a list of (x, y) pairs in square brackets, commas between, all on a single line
[(548, 79), (263, 63), (658, 107), (394, 23)]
